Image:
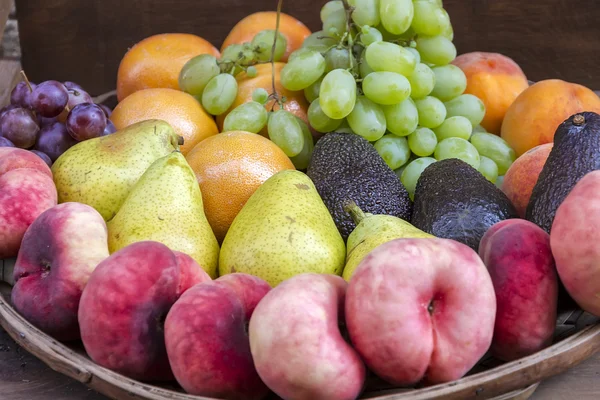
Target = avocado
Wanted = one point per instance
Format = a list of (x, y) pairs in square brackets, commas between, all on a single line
[(576, 152), (346, 167), (455, 201)]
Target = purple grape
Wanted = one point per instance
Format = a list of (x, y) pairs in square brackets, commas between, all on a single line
[(43, 156), (110, 128), (21, 95), (49, 98), (6, 108), (43, 121), (86, 121), (20, 127), (54, 140), (106, 110), (73, 86), (4, 142), (77, 96)]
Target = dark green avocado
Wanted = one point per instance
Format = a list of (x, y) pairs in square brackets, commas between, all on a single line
[(346, 167), (455, 201), (576, 152)]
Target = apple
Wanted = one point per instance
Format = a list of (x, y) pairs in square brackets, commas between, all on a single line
[(574, 239), (518, 256), (296, 343), (123, 307), (421, 310), (58, 254), (26, 190), (206, 336)]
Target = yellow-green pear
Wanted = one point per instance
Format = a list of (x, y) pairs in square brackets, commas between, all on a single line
[(371, 231), (284, 229), (100, 172), (165, 206)]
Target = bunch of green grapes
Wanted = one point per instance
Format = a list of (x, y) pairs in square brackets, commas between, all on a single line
[(212, 82), (382, 69)]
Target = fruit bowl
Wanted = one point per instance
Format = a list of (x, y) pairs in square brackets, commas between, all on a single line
[(576, 338)]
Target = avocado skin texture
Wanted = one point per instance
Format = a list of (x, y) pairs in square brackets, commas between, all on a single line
[(345, 166), (576, 152), (455, 201)]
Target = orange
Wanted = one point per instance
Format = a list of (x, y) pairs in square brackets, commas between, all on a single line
[(179, 109), (156, 61), (295, 101), (292, 29), (230, 167)]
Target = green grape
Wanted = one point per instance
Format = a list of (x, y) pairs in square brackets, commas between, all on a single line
[(384, 56), (421, 81), (468, 106), (412, 172), (319, 121), (448, 31), (260, 95), (430, 19), (500, 182), (302, 159), (479, 128), (247, 56), (488, 168), (219, 94), (329, 8), (312, 92), (263, 45), (251, 71), (457, 148), (366, 12), (338, 93), (436, 50), (249, 117), (396, 15), (285, 131), (393, 149), (415, 53), (402, 118), (335, 24), (431, 111), (196, 73), (494, 148), (367, 119), (302, 71), (364, 67), (298, 52), (422, 142), (318, 41), (450, 82), (344, 127), (454, 127), (232, 53), (338, 58), (371, 35), (386, 88)]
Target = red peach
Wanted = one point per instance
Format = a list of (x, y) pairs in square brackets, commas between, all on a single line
[(518, 256), (206, 337), (123, 306)]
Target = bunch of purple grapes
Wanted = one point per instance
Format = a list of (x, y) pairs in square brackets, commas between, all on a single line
[(50, 117)]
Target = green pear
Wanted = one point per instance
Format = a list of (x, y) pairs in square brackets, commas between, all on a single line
[(100, 172), (165, 206), (371, 231), (284, 229)]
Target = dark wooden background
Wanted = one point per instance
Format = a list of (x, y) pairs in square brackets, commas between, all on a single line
[(84, 40)]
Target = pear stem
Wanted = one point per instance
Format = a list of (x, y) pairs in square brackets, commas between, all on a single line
[(355, 212)]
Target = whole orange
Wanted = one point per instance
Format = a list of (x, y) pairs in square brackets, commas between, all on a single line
[(496, 79), (292, 29), (535, 115), (179, 109), (230, 167), (295, 102), (156, 61), (522, 176)]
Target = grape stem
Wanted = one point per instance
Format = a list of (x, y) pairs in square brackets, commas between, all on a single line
[(275, 95), (26, 81), (348, 35)]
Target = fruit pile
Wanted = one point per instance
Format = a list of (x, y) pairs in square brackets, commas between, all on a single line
[(302, 210), (51, 117)]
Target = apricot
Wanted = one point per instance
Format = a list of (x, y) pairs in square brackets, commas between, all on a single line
[(522, 176), (496, 79), (535, 115)]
